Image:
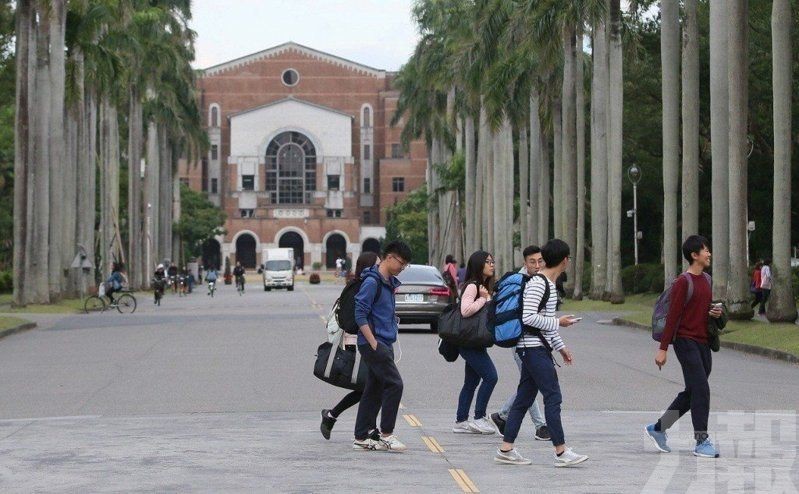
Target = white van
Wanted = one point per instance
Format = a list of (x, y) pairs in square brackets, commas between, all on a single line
[(278, 268)]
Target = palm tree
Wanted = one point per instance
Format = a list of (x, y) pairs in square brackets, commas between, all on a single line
[(537, 201), (670, 56), (568, 150), (600, 84), (783, 305), (615, 117), (59, 254), (690, 121), (737, 73), (580, 110)]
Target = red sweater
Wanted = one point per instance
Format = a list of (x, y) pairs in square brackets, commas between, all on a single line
[(692, 317)]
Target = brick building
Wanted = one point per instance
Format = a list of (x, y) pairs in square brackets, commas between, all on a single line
[(302, 155)]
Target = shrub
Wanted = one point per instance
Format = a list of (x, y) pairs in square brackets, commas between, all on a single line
[(314, 279), (6, 281), (642, 278), (316, 266)]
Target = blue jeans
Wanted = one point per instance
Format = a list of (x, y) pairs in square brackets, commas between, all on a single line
[(479, 366), (538, 374), (535, 412)]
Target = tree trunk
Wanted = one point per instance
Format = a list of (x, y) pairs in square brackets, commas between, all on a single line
[(616, 113), (72, 187), (599, 162), (738, 73), (509, 185), (165, 197), (579, 264), (498, 212), (524, 187), (138, 278), (557, 170), (534, 219), (569, 153), (690, 121), (719, 135), (469, 207), (670, 59), (544, 190), (57, 250), (151, 206), (87, 184), (782, 306)]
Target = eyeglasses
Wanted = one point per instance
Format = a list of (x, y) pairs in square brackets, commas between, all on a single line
[(403, 264), (490, 261)]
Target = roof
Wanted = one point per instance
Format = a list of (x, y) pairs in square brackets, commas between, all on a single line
[(298, 48), (285, 100)]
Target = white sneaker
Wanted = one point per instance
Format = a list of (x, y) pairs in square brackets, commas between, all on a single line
[(569, 458), (465, 427), (391, 443), (511, 457), (368, 444), (484, 426)]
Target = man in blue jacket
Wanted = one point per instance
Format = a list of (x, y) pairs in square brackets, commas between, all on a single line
[(376, 317)]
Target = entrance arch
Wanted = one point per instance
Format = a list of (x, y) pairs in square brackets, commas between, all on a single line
[(335, 247), (245, 250), (212, 254), (371, 245), (294, 240)]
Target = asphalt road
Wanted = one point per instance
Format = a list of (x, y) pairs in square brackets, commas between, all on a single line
[(217, 395)]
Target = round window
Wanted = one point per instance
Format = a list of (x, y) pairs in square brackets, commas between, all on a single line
[(290, 77)]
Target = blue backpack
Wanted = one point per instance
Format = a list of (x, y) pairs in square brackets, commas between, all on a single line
[(506, 309)]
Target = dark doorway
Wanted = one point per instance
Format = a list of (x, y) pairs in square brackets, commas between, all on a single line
[(336, 247), (294, 241), (245, 250), (212, 254), (371, 245)]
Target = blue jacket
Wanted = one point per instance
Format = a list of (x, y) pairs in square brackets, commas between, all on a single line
[(379, 314)]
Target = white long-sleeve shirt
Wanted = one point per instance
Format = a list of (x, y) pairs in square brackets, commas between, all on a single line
[(545, 320), (765, 278)]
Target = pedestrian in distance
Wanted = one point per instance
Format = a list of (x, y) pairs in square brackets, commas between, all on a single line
[(687, 327), (754, 285), (766, 282), (479, 366), (535, 349), (339, 264), (533, 264), (375, 314), (329, 416), (461, 273), (450, 274)]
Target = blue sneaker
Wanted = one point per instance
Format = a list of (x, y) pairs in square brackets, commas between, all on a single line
[(705, 449), (659, 438)]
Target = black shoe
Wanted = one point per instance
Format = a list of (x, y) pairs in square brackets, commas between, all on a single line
[(327, 424), (374, 434), (542, 434), (498, 423)]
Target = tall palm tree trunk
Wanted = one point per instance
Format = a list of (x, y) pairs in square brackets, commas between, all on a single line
[(544, 189), (579, 75), (56, 160), (599, 162), (569, 153), (738, 72), (670, 57), (137, 276), (87, 173), (151, 187), (782, 306), (498, 212), (165, 197), (719, 135), (469, 207), (557, 170), (72, 187), (615, 172), (534, 219), (524, 187), (690, 121), (510, 186)]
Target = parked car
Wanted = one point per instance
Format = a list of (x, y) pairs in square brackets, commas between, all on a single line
[(422, 297)]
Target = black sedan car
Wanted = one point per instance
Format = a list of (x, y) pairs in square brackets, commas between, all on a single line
[(422, 297)]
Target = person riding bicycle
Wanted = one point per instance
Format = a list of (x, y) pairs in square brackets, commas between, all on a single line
[(114, 282), (159, 282), (211, 277), (238, 272)]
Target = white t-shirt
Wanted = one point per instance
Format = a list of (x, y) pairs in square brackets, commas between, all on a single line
[(765, 278)]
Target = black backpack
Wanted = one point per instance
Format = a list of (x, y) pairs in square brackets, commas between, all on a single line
[(345, 305)]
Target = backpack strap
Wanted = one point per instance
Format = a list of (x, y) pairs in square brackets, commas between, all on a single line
[(541, 306)]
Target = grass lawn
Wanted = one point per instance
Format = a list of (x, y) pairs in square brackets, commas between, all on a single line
[(9, 322), (67, 306)]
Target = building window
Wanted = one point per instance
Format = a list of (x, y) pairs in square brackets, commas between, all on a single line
[(398, 184), (333, 182), (214, 115), (205, 174), (334, 213), (247, 213), (367, 116), (214, 152), (367, 152), (248, 182), (291, 168), (367, 186), (290, 77), (184, 181), (367, 217), (396, 151), (214, 186)]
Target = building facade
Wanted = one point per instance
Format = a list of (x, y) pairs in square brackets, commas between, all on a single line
[(302, 155)]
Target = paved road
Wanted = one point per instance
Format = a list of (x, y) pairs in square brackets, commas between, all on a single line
[(216, 395)]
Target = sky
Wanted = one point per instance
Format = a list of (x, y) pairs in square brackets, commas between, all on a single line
[(377, 33)]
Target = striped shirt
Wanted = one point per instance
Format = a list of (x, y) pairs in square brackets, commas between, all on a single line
[(545, 320)]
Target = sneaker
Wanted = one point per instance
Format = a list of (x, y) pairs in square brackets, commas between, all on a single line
[(464, 427), (659, 438), (368, 444), (569, 458), (542, 434), (328, 421), (483, 426), (374, 435), (391, 443), (498, 422), (511, 457), (705, 449)]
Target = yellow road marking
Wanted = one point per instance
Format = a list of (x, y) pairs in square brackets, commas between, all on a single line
[(465, 484), (402, 407), (412, 420), (432, 444), (468, 481), (435, 443)]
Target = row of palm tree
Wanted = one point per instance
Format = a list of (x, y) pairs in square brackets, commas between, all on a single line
[(86, 71), (502, 83)]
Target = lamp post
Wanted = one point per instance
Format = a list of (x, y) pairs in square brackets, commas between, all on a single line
[(634, 174)]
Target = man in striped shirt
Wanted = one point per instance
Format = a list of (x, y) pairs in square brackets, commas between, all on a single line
[(535, 349)]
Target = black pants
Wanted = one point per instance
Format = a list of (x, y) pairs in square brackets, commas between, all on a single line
[(350, 399), (696, 362), (382, 392), (763, 300)]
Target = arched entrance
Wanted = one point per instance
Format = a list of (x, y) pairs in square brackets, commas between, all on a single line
[(336, 246), (212, 254), (245, 250), (371, 245), (294, 241)]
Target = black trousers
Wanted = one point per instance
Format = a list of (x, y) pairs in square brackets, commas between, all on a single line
[(382, 392), (696, 362), (350, 399)]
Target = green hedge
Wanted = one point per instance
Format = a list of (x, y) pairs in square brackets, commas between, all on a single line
[(6, 282), (642, 278)]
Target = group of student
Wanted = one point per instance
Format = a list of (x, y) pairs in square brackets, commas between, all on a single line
[(686, 327)]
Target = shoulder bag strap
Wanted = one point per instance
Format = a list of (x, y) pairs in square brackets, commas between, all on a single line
[(333, 349)]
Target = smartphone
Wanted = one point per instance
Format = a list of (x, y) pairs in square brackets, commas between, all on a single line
[(577, 319)]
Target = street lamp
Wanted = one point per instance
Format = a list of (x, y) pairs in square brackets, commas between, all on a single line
[(634, 174)]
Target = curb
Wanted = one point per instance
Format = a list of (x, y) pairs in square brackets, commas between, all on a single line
[(17, 329), (741, 347)]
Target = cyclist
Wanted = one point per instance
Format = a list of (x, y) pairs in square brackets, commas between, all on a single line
[(211, 277), (238, 272), (114, 282), (159, 282)]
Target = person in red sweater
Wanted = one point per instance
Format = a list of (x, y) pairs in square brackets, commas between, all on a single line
[(687, 328)]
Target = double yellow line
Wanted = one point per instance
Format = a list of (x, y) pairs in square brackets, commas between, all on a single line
[(432, 444), (463, 480), (412, 420)]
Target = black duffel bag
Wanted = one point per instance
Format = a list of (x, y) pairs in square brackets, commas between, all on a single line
[(334, 365), (466, 332)]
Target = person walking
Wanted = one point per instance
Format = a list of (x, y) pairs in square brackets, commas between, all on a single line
[(687, 327), (479, 366), (754, 286), (329, 416), (375, 314), (450, 274), (766, 281), (535, 348), (533, 263)]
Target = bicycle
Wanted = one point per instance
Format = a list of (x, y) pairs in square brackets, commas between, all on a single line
[(124, 304), (158, 291)]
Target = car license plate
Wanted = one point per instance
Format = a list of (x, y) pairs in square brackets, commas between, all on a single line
[(414, 297)]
